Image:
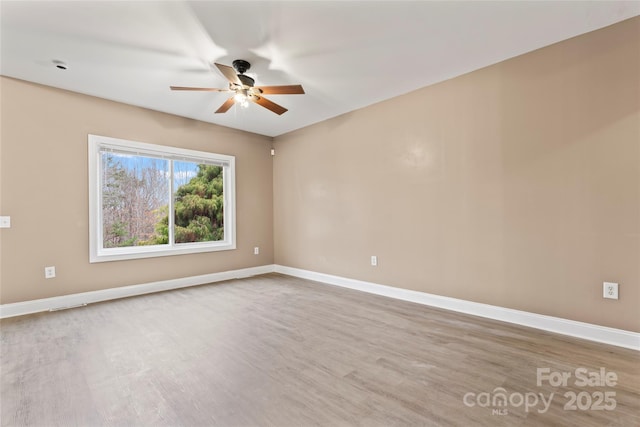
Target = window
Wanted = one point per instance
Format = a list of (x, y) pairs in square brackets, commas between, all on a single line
[(150, 200)]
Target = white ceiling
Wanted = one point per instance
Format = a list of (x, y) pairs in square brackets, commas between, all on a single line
[(346, 54)]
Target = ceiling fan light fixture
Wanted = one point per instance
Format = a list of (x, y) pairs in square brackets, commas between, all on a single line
[(241, 98)]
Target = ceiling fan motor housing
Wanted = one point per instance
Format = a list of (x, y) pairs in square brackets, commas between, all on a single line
[(246, 80)]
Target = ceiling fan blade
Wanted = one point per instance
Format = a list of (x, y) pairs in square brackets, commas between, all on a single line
[(209, 89), (281, 90), (229, 73), (227, 104), (269, 105)]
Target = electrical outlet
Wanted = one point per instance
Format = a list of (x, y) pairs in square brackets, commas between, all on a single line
[(374, 260), (49, 272), (610, 290), (256, 250)]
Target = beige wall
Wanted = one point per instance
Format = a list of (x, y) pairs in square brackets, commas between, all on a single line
[(517, 185), (43, 179)]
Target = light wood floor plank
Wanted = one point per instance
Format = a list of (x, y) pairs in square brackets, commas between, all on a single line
[(275, 350)]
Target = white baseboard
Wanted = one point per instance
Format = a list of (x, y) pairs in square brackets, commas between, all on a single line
[(64, 301), (602, 334)]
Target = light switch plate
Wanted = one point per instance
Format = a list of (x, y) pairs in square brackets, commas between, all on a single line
[(5, 222)]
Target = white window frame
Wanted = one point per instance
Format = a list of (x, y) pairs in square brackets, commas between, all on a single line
[(97, 253)]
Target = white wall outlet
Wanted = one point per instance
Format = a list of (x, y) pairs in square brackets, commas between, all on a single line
[(5, 222), (610, 290), (49, 272), (256, 250), (374, 260)]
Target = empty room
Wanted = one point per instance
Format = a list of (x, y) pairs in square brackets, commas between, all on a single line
[(317, 213)]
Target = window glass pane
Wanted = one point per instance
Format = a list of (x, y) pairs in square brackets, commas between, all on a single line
[(199, 202), (135, 200)]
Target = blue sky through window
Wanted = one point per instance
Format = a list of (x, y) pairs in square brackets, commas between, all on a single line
[(183, 171)]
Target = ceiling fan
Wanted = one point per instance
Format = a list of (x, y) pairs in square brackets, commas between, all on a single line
[(243, 89)]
